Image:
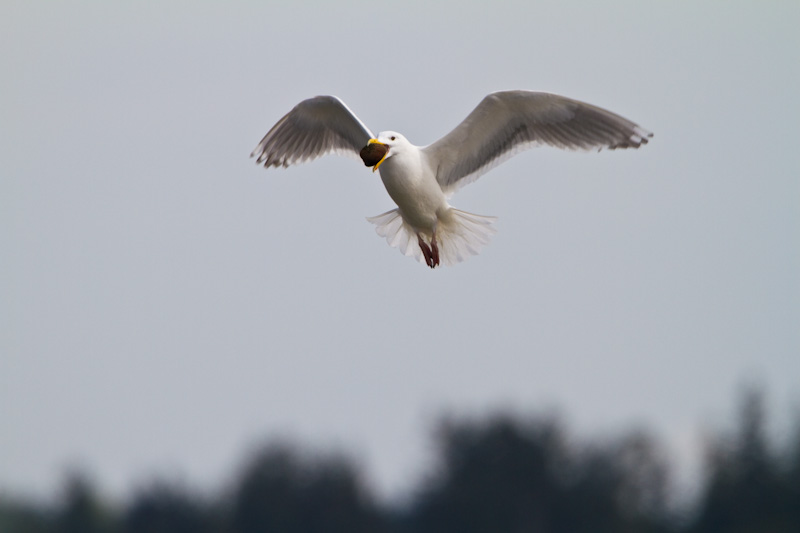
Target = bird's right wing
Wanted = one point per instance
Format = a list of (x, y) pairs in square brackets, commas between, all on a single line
[(315, 127)]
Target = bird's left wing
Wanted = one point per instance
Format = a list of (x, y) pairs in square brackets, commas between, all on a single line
[(315, 127), (504, 123)]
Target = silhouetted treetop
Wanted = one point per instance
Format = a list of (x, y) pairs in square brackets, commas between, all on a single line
[(281, 491), (507, 475)]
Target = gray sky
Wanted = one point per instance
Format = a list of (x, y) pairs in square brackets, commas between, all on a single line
[(166, 303)]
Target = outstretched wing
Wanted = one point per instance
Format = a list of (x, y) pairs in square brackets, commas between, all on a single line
[(315, 127), (505, 123)]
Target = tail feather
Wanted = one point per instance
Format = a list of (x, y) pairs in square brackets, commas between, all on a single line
[(460, 235), (397, 233)]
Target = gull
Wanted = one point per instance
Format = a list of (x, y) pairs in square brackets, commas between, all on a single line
[(421, 179)]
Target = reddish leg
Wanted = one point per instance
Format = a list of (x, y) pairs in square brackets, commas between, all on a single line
[(426, 251), (434, 250)]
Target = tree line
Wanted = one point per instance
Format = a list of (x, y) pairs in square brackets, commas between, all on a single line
[(498, 474)]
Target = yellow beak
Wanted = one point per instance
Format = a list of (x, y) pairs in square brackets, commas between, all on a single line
[(376, 141)]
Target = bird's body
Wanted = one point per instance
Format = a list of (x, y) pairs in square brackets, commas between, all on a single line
[(411, 183), (421, 179)]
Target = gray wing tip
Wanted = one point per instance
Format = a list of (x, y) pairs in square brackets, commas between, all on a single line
[(639, 137), (268, 160)]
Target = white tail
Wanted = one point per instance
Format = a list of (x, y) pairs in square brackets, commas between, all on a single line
[(459, 235)]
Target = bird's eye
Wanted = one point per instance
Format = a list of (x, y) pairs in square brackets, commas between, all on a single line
[(392, 138)]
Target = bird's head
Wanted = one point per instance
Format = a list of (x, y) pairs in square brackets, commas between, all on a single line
[(379, 150)]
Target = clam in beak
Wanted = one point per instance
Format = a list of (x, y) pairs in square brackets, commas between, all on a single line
[(374, 153)]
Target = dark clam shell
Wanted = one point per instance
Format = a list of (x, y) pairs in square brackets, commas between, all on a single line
[(372, 153)]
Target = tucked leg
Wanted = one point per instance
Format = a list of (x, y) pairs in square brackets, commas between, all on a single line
[(426, 251), (434, 250)]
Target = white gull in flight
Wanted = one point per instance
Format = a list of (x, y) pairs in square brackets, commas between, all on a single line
[(421, 179)]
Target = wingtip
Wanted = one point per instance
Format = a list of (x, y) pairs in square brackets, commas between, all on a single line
[(639, 137)]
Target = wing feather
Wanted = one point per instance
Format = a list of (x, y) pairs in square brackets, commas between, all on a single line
[(313, 128), (505, 123)]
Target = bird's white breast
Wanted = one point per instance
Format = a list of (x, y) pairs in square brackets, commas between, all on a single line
[(411, 183)]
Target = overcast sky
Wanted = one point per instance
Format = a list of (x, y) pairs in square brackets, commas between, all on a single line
[(166, 303)]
